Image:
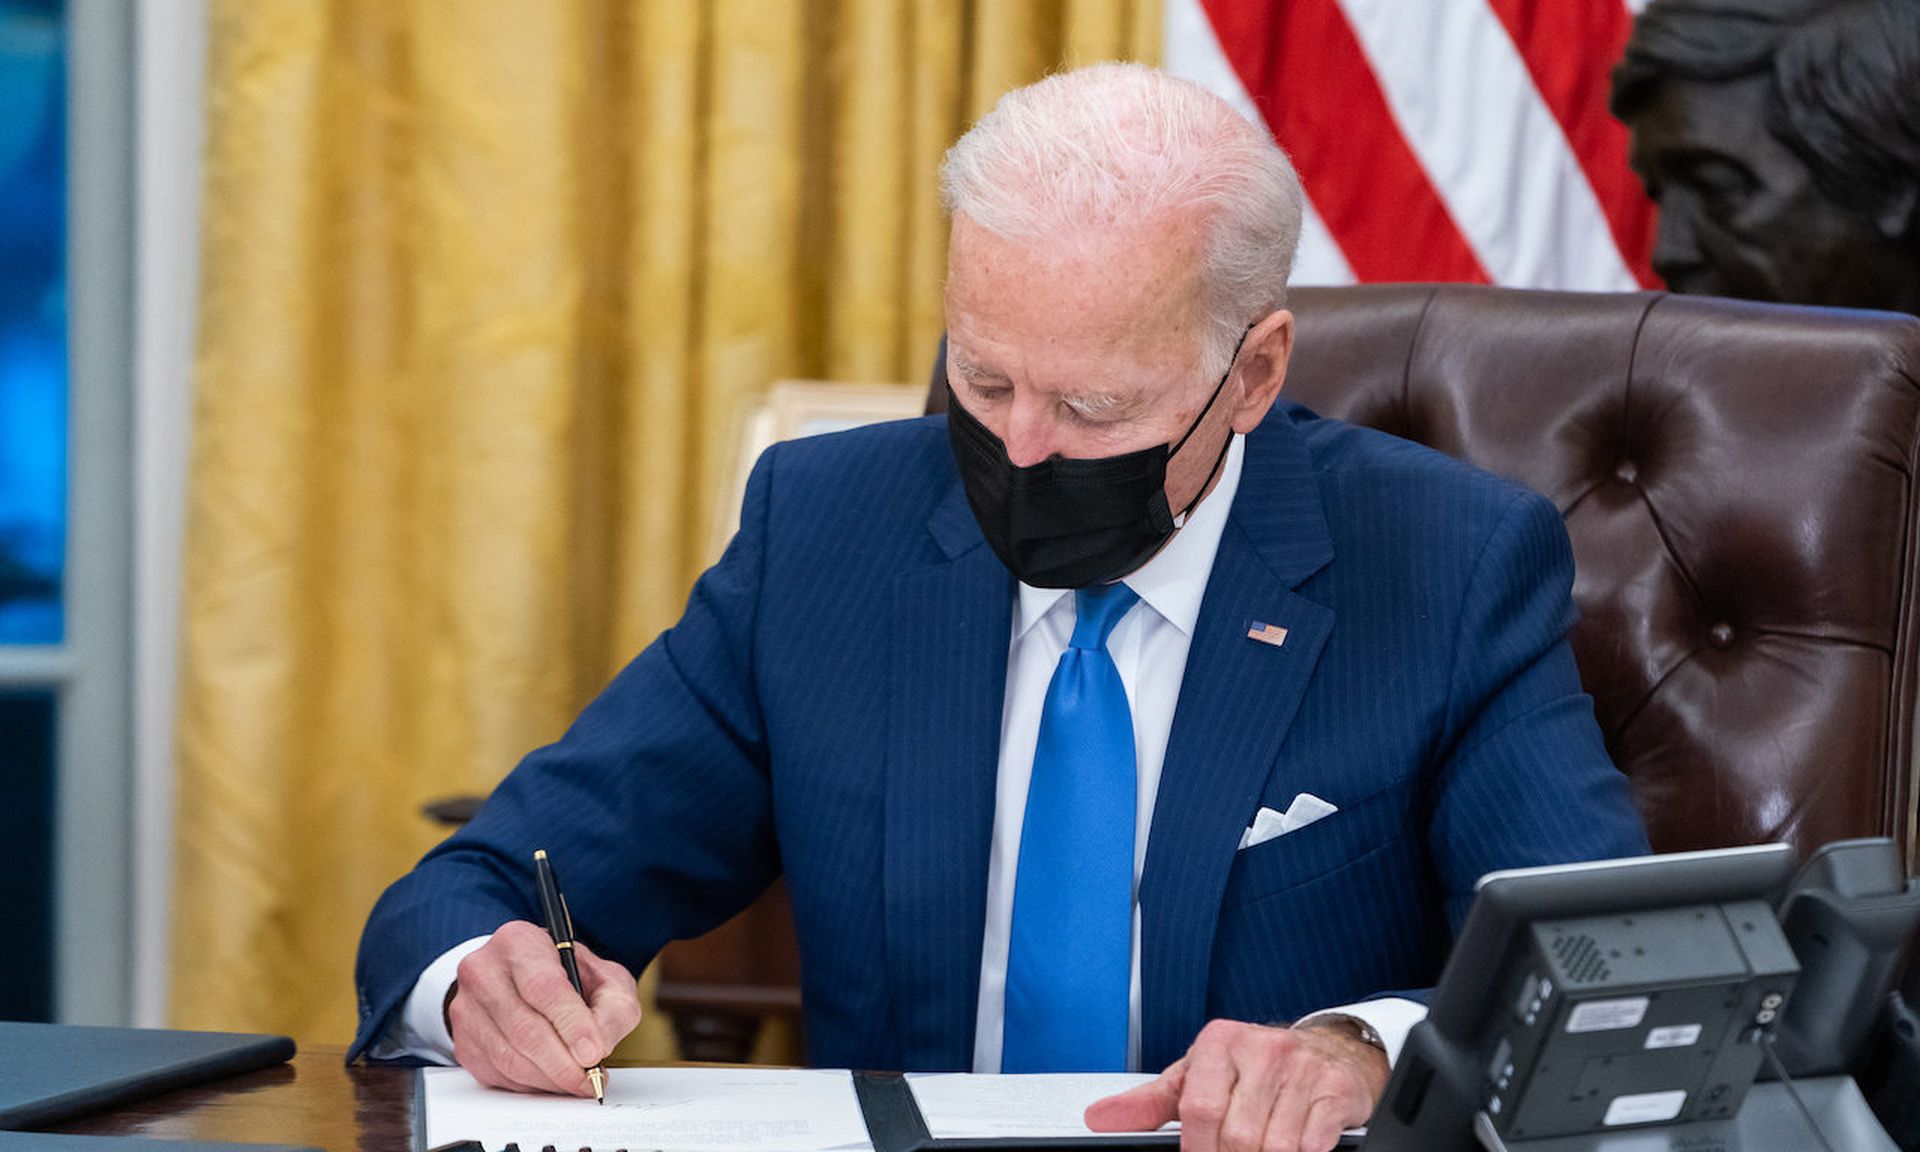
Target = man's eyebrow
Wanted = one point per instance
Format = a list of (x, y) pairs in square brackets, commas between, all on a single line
[(1102, 403), (969, 369), (1107, 403)]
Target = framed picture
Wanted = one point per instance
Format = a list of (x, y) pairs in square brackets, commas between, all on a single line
[(795, 408)]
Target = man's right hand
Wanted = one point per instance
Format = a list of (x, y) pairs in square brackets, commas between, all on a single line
[(517, 1023)]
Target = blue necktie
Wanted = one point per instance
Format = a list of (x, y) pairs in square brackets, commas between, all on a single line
[(1070, 957)]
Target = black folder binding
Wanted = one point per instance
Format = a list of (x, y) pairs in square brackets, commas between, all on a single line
[(54, 1072)]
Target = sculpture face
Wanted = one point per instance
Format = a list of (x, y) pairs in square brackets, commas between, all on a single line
[(1741, 215)]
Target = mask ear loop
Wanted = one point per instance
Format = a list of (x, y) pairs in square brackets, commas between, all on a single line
[(1180, 521)]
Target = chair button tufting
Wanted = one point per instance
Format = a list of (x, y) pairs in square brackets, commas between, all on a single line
[(1626, 472), (1720, 635)]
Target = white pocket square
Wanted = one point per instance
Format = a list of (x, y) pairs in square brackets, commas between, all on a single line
[(1305, 809)]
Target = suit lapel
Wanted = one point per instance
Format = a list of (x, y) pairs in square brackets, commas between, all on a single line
[(950, 626), (1236, 701)]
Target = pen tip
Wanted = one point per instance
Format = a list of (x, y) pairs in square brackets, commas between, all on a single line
[(539, 853)]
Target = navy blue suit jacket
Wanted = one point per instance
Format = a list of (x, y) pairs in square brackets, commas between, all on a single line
[(829, 707)]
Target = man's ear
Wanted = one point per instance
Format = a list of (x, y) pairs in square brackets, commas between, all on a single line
[(1263, 369)]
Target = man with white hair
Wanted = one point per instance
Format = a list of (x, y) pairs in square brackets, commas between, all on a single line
[(1112, 721)]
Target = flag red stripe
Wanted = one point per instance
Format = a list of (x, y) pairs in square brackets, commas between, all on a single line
[(1570, 47), (1306, 73)]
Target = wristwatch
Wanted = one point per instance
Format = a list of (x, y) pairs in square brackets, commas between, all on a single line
[(1350, 1025)]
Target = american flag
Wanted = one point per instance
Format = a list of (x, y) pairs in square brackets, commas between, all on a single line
[(1267, 633), (1457, 140)]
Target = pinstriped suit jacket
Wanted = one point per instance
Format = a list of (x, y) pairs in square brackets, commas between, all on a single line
[(829, 706)]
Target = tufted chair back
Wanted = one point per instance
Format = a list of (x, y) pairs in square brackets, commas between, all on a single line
[(1739, 482)]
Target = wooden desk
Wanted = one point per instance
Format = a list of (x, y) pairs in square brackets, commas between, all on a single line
[(314, 1100)]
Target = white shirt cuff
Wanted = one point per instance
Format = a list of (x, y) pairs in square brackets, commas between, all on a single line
[(1390, 1017), (419, 1029)]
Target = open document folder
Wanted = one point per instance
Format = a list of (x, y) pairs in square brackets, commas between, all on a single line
[(791, 1110)]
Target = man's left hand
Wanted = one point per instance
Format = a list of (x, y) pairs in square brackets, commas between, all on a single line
[(1243, 1087)]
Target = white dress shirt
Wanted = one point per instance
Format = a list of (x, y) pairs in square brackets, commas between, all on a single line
[(1149, 647)]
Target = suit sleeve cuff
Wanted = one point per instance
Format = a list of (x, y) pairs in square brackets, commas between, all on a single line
[(419, 1029), (1390, 1017)]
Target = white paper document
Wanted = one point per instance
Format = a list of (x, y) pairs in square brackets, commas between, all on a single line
[(957, 1105), (686, 1109)]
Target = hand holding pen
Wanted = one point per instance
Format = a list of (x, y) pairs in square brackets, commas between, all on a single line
[(553, 908), (519, 1020)]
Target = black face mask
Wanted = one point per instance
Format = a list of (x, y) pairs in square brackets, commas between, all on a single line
[(1066, 523)]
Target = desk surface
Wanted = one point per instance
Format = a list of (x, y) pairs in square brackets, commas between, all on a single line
[(314, 1100)]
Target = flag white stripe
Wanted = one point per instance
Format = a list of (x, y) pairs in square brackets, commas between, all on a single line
[(1319, 260), (1193, 50), (1465, 103)]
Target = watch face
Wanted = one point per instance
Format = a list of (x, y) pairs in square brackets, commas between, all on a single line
[(1365, 1032)]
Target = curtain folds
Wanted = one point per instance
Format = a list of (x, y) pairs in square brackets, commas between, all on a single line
[(484, 287)]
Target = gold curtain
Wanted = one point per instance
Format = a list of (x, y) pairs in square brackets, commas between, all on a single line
[(484, 286)]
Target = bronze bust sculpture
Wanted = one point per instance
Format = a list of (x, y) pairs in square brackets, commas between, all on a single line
[(1781, 139)]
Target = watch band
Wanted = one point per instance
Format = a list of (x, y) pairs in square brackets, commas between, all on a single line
[(1352, 1025), (446, 1007)]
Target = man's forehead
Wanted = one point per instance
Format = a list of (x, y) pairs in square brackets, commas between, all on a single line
[(1009, 303), (1167, 250)]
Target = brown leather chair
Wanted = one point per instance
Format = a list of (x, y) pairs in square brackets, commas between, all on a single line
[(1740, 482)]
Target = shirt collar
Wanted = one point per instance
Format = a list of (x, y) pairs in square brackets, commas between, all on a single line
[(1173, 582)]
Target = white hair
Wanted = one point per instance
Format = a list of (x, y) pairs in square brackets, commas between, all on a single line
[(1119, 145)]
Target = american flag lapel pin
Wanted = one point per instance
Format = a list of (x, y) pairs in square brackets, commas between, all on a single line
[(1267, 633)]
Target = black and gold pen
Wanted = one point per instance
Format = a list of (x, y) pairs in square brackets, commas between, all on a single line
[(560, 925)]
